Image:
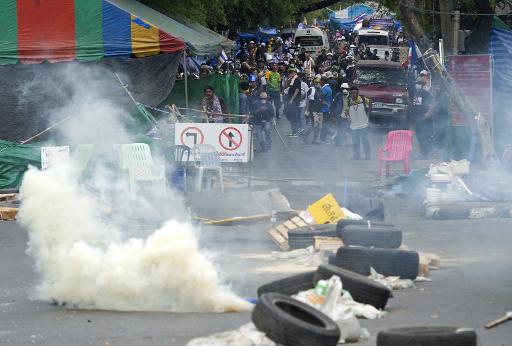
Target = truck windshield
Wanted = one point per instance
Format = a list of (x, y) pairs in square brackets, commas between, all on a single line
[(383, 76), (374, 40), (306, 41)]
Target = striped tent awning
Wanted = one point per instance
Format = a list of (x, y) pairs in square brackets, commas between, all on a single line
[(33, 31)]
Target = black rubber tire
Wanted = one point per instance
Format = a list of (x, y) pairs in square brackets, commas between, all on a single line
[(361, 288), (303, 237), (331, 259), (428, 336), (290, 322), (289, 285), (381, 237), (451, 214), (388, 262), (345, 223)]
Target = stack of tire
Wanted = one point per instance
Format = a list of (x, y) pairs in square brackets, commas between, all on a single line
[(374, 246), (287, 321)]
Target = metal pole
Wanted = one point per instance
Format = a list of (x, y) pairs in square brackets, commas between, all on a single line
[(185, 74), (456, 28), (441, 51)]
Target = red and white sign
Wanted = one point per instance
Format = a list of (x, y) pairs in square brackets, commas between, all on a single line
[(231, 141), (473, 74), (230, 138), (191, 136)]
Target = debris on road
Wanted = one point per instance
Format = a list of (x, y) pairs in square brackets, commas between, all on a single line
[(8, 213), (501, 320), (392, 282)]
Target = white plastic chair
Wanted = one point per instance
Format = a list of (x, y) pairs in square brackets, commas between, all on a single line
[(136, 157), (207, 159), (82, 156)]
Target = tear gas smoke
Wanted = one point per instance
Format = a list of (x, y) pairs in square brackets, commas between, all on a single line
[(83, 261), (85, 257)]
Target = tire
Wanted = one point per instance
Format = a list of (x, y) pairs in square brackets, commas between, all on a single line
[(427, 336), (290, 285), (303, 237), (380, 237), (290, 322), (345, 223), (387, 262), (361, 288)]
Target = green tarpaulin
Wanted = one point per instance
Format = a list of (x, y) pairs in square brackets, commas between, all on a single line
[(14, 161), (226, 87)]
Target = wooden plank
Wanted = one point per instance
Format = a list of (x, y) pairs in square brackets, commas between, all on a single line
[(278, 239), (5, 197), (8, 213), (283, 230), (328, 243), (290, 225), (298, 221)]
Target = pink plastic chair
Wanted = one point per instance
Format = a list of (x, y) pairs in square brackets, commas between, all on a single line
[(398, 148)]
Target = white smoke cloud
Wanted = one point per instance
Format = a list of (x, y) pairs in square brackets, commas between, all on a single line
[(83, 262), (85, 256)]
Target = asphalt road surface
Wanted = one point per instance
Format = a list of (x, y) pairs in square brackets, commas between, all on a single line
[(472, 287)]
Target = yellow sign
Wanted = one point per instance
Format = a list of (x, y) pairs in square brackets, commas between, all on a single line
[(326, 210)]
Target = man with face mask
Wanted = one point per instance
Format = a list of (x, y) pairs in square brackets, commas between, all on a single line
[(357, 113), (261, 120), (422, 111)]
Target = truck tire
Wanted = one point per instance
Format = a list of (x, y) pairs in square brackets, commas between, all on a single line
[(428, 336), (361, 288), (290, 322), (388, 262), (363, 223), (380, 237), (303, 237), (289, 285)]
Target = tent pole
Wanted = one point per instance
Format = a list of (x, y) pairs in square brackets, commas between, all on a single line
[(185, 76)]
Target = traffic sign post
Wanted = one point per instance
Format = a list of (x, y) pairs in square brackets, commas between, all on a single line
[(231, 141)]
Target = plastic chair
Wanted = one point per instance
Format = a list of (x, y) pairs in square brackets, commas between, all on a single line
[(82, 156), (178, 152), (398, 148), (179, 155), (137, 159), (207, 159)]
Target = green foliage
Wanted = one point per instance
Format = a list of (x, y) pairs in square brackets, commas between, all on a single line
[(232, 14)]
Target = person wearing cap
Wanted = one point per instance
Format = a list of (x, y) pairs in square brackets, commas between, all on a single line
[(261, 120), (314, 111), (356, 111), (328, 61), (326, 102), (293, 88), (422, 107), (425, 77), (273, 80)]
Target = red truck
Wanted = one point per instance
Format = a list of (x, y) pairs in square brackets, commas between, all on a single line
[(385, 84)]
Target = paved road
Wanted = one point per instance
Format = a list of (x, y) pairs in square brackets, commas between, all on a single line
[(472, 287)]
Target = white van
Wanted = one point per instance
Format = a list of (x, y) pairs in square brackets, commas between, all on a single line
[(376, 39), (312, 39)]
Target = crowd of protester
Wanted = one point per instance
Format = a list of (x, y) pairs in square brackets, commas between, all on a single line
[(319, 96)]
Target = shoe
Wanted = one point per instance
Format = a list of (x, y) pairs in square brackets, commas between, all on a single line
[(293, 135), (301, 131)]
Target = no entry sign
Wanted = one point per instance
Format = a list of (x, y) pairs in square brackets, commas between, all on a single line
[(232, 142), (230, 138)]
